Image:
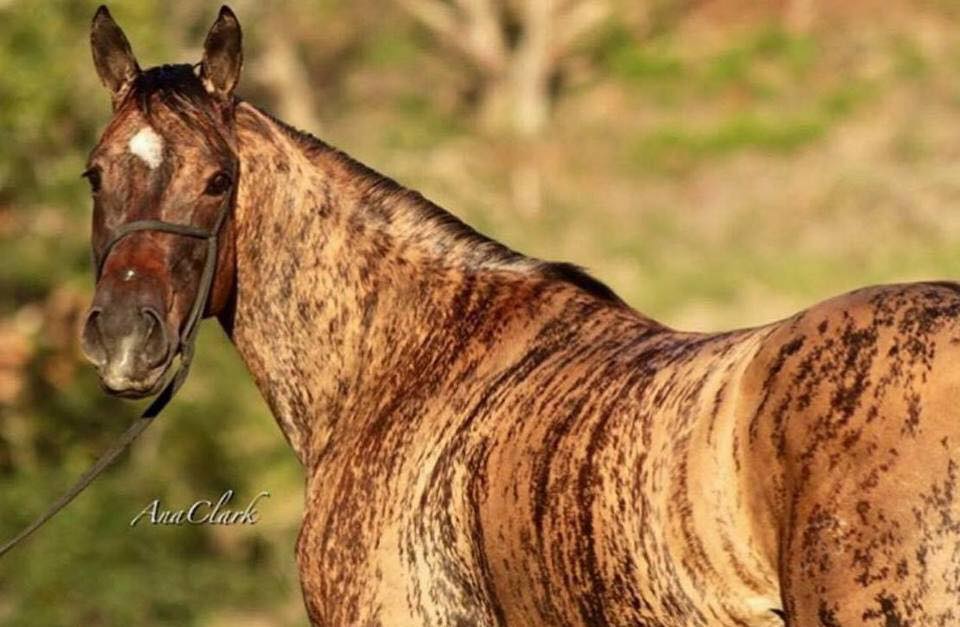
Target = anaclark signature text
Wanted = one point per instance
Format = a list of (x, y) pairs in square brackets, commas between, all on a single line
[(202, 512)]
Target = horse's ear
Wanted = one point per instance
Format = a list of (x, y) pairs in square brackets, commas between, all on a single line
[(112, 55), (222, 55)]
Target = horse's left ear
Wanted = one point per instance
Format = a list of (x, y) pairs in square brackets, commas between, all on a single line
[(222, 55), (112, 56)]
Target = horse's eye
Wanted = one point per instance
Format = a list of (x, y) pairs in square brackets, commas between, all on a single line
[(218, 184), (93, 177)]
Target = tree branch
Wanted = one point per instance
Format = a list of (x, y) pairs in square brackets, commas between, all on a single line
[(474, 31), (575, 22), (435, 15), (485, 32)]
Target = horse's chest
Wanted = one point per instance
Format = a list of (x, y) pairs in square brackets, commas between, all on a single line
[(382, 543), (455, 532)]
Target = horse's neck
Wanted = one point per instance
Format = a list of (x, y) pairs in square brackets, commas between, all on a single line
[(347, 295)]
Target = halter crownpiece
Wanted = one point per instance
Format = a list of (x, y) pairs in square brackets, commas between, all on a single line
[(188, 338)]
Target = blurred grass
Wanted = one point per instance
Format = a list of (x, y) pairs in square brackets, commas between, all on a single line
[(717, 172)]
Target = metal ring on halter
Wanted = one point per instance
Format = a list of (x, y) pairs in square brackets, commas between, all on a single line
[(187, 338)]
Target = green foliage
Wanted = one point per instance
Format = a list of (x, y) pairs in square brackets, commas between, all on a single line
[(423, 124), (792, 54), (391, 50), (677, 148), (645, 63), (909, 60), (772, 76), (660, 63)]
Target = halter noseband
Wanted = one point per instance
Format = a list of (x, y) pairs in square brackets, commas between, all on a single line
[(188, 338), (188, 335)]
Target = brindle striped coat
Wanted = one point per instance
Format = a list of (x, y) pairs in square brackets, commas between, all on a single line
[(490, 439)]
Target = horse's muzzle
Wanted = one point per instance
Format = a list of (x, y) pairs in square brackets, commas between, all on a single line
[(130, 347)]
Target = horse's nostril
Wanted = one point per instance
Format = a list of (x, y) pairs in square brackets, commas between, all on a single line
[(155, 346), (91, 338)]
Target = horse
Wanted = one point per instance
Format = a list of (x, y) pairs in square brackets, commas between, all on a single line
[(491, 439)]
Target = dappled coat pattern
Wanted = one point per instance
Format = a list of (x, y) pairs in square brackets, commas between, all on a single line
[(494, 440), (490, 439)]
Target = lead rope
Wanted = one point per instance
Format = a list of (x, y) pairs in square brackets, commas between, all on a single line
[(187, 340)]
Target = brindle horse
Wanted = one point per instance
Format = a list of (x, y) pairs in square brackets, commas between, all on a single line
[(491, 439)]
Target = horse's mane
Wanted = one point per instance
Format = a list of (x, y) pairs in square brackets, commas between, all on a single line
[(181, 89)]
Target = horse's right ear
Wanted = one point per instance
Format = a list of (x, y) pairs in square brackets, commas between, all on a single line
[(222, 55), (112, 55)]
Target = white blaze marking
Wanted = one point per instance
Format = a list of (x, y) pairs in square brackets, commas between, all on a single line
[(147, 145)]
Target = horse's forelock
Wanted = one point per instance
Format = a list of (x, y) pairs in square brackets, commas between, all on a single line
[(170, 83), (175, 91)]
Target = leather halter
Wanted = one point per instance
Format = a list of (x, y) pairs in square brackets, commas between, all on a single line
[(188, 338)]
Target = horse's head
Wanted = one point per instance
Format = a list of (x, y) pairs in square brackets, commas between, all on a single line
[(167, 156)]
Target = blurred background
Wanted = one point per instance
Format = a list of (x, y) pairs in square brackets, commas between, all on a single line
[(720, 163)]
